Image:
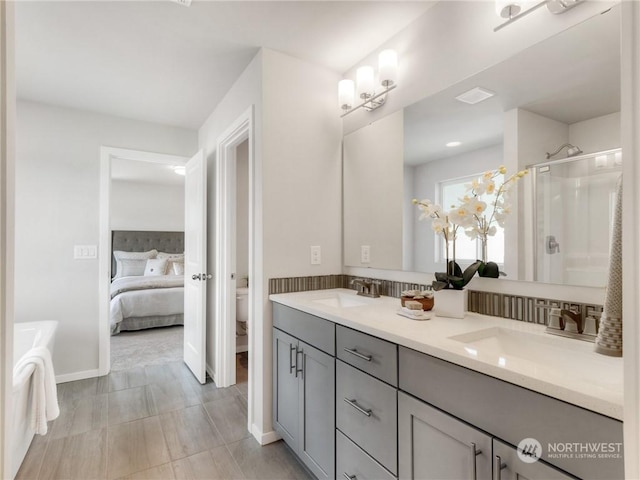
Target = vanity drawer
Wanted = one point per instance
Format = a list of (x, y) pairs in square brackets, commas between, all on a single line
[(366, 412), (370, 354), (352, 461), (313, 330)]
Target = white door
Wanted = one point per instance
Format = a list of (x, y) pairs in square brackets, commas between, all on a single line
[(195, 264)]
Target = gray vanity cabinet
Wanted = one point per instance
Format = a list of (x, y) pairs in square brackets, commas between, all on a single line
[(434, 445), (304, 389), (508, 466)]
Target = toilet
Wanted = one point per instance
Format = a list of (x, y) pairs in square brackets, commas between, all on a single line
[(242, 316)]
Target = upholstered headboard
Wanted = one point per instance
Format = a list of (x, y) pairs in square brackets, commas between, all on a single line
[(128, 241)]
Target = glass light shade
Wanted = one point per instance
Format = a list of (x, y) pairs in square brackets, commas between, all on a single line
[(388, 67), (365, 82), (346, 93), (617, 158), (507, 8)]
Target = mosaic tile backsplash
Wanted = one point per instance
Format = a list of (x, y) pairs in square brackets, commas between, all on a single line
[(514, 307)]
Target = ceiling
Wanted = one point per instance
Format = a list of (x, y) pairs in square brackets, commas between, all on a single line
[(125, 170), (162, 62), (571, 77)]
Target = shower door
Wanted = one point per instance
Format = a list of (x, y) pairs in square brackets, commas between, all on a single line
[(573, 202)]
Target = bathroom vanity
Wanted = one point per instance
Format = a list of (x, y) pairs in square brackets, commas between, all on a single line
[(363, 393)]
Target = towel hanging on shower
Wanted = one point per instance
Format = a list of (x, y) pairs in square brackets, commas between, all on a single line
[(609, 339)]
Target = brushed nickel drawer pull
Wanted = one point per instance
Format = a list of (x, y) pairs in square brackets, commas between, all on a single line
[(498, 465), (349, 477), (292, 365), (355, 405), (474, 454), (358, 354)]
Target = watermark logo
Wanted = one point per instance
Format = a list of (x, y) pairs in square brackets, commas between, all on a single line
[(529, 450)]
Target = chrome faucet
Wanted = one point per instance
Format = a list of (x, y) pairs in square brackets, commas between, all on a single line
[(366, 287), (586, 326), (574, 316)]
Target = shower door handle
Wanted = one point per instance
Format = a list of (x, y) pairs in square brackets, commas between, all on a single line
[(551, 245)]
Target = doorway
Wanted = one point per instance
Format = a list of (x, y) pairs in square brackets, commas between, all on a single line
[(114, 160)]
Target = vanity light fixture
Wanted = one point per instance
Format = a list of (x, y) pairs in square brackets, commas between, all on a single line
[(453, 144), (180, 170), (512, 9), (365, 85)]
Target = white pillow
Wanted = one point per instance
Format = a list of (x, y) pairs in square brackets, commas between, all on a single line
[(155, 266), (131, 268), (178, 268), (120, 255), (171, 256)]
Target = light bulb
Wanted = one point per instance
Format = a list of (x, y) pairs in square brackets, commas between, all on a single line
[(388, 67), (365, 83), (346, 93)]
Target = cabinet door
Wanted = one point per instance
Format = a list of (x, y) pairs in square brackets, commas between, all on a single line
[(508, 466), (285, 387), (434, 445), (317, 411)]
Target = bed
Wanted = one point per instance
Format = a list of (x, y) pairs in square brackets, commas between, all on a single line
[(147, 287)]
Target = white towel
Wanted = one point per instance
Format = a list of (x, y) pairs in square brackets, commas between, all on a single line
[(44, 395)]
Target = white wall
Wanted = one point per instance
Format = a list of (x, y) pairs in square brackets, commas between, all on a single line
[(146, 206), (57, 201), (242, 212), (297, 188), (425, 179), (245, 93), (373, 193), (302, 180), (454, 40), (7, 215), (596, 134)]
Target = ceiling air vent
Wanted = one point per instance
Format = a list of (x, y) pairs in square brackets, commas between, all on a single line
[(475, 95), (184, 3)]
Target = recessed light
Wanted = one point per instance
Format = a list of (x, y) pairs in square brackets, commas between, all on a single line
[(180, 170), (475, 95), (454, 144)]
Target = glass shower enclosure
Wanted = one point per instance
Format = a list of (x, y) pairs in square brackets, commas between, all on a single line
[(573, 201)]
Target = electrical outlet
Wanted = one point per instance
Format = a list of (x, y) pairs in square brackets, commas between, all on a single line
[(316, 255), (365, 254)]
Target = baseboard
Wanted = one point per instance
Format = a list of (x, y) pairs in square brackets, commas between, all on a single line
[(211, 373), (71, 377), (264, 438)]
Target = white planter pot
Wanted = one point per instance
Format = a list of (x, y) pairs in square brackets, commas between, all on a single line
[(450, 303)]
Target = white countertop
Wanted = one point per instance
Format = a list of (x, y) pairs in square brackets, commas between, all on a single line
[(517, 352)]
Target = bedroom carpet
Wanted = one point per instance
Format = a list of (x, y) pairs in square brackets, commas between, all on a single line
[(154, 346)]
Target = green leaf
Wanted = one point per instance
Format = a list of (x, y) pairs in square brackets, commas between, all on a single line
[(436, 285), (470, 271)]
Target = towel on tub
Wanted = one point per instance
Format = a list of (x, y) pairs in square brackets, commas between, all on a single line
[(44, 395)]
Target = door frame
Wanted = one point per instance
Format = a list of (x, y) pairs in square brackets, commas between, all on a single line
[(225, 365), (104, 244)]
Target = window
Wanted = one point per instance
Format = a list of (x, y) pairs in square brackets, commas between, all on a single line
[(468, 250)]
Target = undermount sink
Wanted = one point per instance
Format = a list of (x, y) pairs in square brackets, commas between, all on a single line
[(342, 300), (505, 347)]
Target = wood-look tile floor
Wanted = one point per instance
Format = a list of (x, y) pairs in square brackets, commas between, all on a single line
[(155, 422)]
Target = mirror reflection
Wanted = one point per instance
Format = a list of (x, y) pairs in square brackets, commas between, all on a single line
[(565, 90)]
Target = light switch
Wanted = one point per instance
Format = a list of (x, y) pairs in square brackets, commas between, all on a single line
[(316, 255), (85, 252)]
